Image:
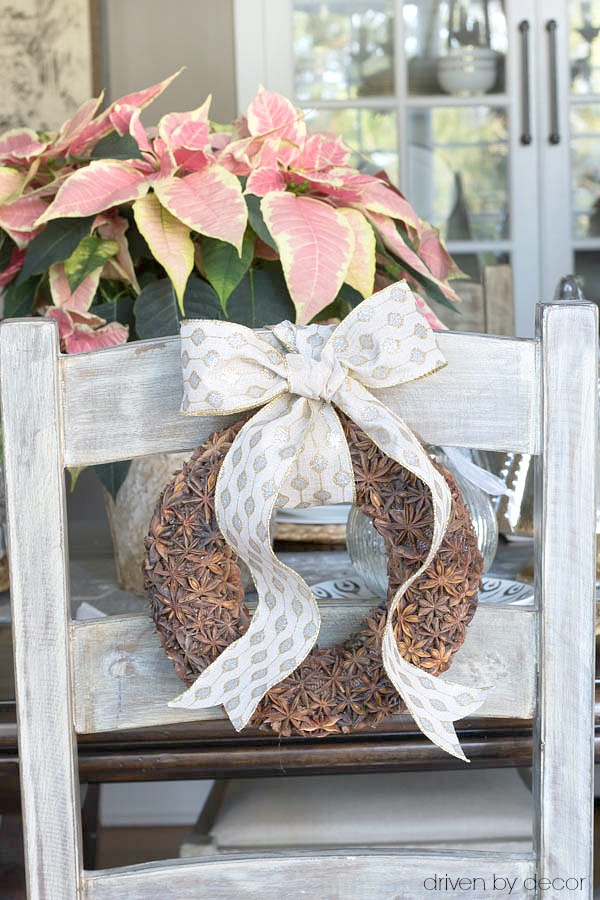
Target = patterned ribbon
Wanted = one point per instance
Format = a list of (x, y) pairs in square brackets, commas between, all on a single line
[(293, 453)]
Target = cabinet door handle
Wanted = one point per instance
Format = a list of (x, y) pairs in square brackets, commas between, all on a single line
[(554, 136), (526, 136)]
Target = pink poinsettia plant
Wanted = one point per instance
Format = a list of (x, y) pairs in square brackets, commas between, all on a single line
[(118, 231)]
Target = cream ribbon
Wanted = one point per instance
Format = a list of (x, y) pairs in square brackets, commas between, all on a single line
[(293, 453)]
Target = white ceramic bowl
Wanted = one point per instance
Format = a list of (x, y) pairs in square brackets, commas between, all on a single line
[(468, 70)]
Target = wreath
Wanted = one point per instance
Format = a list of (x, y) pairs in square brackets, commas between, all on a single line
[(196, 594)]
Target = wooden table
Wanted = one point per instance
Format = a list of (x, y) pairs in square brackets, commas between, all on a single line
[(214, 750)]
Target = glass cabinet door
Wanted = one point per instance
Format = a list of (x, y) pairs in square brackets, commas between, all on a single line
[(344, 74), (418, 89), (456, 147), (485, 113)]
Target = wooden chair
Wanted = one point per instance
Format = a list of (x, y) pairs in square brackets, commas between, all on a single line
[(536, 397)]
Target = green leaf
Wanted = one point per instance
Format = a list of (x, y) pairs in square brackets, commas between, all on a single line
[(344, 303), (7, 246), (223, 266), (55, 243), (257, 223), (261, 298), (348, 296), (117, 146), (200, 301), (112, 475), (115, 309), (91, 253), (138, 246), (19, 299), (74, 474), (398, 268), (157, 312), (430, 288)]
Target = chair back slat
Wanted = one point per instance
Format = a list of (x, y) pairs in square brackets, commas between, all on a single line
[(124, 402), (355, 874), (124, 679)]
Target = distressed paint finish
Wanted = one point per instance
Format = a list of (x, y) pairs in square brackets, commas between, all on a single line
[(565, 531), (352, 875), (124, 402), (40, 602), (124, 679)]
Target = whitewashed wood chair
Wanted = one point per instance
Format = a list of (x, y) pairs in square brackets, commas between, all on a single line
[(537, 397)]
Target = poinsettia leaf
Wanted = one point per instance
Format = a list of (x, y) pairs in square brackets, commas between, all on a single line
[(85, 339), (20, 217), (432, 290), (11, 183), (104, 123), (90, 254), (54, 244), (189, 130), (97, 187), (405, 258), (112, 475), (224, 267), (78, 300), (316, 245), (434, 254), (396, 272), (169, 240), (157, 312), (209, 202), (257, 222), (361, 271), (116, 146), (380, 198), (261, 298), (265, 179), (19, 299), (21, 143), (271, 112)]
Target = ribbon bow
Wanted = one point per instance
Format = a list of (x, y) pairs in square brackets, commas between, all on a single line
[(293, 453)]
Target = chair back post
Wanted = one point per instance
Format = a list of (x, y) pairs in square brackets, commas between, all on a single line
[(565, 578), (31, 415)]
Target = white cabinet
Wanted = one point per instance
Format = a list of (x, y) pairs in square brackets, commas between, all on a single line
[(508, 168)]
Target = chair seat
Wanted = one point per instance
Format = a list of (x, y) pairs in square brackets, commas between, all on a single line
[(474, 810)]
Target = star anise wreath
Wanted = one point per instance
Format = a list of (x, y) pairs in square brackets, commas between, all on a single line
[(197, 599)]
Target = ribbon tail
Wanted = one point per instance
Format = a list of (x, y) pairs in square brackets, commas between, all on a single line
[(286, 622), (434, 704), (261, 464)]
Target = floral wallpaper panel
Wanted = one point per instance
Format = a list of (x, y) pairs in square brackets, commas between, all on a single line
[(46, 61)]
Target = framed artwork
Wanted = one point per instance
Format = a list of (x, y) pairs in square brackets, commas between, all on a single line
[(49, 59)]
